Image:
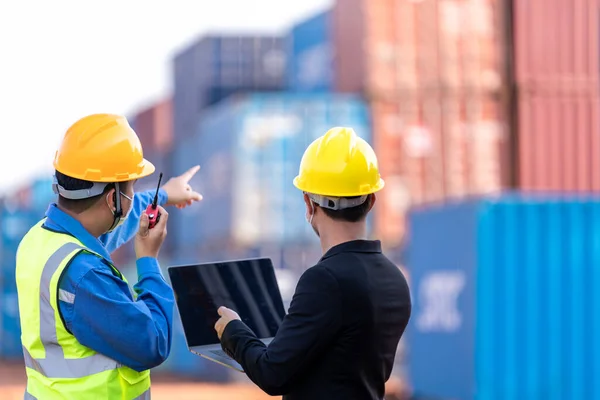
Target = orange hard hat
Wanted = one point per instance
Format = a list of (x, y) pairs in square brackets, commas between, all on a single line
[(102, 148)]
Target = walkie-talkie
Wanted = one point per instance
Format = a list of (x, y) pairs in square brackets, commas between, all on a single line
[(153, 213)]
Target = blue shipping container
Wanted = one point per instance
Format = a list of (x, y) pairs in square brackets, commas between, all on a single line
[(310, 59), (15, 223), (10, 324), (42, 195), (506, 299), (216, 67), (250, 148)]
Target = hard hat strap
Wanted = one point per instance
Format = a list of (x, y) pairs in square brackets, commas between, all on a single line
[(337, 203), (79, 194), (118, 213)]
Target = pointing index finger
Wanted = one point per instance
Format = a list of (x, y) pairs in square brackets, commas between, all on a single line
[(190, 173)]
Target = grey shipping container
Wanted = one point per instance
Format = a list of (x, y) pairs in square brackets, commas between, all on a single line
[(216, 67)]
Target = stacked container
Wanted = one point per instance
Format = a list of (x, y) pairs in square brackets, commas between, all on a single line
[(310, 59), (215, 67), (15, 222), (557, 78), (433, 72), (250, 148), (154, 127), (507, 306)]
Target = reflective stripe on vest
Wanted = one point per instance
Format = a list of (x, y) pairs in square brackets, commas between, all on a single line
[(143, 396), (55, 365), (58, 367)]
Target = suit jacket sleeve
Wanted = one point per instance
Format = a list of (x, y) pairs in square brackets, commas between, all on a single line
[(313, 320)]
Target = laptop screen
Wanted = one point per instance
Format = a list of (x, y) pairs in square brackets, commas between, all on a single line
[(248, 287)]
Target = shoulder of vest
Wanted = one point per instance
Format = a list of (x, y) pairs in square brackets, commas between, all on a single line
[(39, 231)]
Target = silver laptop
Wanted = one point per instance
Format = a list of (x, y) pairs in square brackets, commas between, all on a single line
[(248, 287)]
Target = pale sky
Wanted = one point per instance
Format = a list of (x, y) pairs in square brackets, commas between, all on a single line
[(63, 59)]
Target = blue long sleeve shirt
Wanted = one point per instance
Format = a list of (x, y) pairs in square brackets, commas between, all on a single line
[(98, 308)]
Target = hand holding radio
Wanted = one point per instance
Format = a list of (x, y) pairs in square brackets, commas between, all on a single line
[(152, 210), (148, 241)]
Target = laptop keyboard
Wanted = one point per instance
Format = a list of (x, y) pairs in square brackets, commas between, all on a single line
[(220, 353)]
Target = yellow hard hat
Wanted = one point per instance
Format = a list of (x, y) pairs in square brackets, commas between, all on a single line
[(339, 164), (102, 148)]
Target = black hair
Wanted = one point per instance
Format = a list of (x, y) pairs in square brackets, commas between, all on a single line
[(78, 206), (352, 214)]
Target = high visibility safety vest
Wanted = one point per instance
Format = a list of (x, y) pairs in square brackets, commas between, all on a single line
[(58, 366)]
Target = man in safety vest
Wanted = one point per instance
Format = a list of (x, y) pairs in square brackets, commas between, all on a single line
[(85, 334), (349, 311)]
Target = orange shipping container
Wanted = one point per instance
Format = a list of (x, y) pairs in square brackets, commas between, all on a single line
[(557, 76), (559, 143), (433, 147), (154, 126), (556, 46), (386, 47)]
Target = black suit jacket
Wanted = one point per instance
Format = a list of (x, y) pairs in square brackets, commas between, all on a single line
[(339, 338)]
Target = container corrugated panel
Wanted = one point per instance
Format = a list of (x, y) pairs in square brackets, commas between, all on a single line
[(14, 224), (310, 63), (507, 306), (250, 149), (131, 121), (559, 143), (216, 67), (161, 162), (42, 195), (10, 324), (433, 148), (558, 97), (154, 126), (567, 65), (387, 47), (214, 180)]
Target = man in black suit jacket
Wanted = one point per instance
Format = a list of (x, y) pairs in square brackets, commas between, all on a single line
[(349, 311)]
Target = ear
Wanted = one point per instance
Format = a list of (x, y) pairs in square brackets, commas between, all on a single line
[(111, 198), (373, 199), (308, 202)]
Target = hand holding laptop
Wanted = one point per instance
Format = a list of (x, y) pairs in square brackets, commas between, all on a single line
[(227, 316), (204, 293)]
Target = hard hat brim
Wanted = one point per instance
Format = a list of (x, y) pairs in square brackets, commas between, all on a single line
[(324, 192), (147, 168)]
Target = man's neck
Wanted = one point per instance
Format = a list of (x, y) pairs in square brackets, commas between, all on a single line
[(88, 222), (342, 233)]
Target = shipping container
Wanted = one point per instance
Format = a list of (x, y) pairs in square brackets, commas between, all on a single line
[(310, 57), (559, 143), (506, 306), (154, 127), (249, 149), (15, 223), (433, 147), (216, 67), (34, 197), (131, 121), (10, 324), (569, 63), (557, 95), (42, 195), (387, 47), (162, 163)]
